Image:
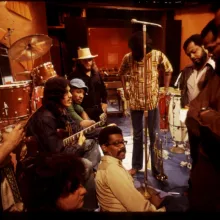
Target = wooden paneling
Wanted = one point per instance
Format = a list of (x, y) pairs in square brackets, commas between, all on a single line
[(24, 27), (111, 44), (193, 21)]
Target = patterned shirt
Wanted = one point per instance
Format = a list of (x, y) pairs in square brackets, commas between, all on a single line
[(135, 72)]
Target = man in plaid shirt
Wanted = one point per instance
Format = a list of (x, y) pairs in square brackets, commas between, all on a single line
[(132, 68)]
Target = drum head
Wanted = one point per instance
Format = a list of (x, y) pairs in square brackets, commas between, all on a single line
[(177, 128), (171, 90)]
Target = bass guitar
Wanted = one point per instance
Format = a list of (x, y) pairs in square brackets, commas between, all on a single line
[(32, 145), (68, 141)]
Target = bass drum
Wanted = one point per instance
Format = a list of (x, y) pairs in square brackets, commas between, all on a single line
[(177, 127)]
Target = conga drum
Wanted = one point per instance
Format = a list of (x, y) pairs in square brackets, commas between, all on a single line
[(177, 126)]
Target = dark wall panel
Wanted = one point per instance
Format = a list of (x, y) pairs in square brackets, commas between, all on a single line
[(173, 45), (76, 36)]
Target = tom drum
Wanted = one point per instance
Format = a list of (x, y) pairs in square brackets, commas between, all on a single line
[(42, 73), (15, 100)]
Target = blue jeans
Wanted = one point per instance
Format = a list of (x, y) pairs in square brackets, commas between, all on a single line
[(153, 128), (90, 199), (92, 152)]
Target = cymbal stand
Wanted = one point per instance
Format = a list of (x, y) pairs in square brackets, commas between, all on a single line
[(33, 94), (8, 35)]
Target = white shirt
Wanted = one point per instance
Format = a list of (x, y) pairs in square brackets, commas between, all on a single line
[(195, 78)]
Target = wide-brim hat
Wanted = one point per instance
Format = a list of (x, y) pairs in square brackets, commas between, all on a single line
[(78, 83), (84, 53)]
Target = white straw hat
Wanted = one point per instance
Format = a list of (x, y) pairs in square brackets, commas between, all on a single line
[(84, 53)]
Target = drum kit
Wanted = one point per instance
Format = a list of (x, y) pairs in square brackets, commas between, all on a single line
[(18, 100), (172, 119)]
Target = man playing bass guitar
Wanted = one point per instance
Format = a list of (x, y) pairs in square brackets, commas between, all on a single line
[(52, 116)]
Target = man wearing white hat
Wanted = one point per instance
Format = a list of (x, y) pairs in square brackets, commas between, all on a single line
[(95, 103)]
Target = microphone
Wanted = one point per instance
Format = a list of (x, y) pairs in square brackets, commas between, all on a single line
[(145, 22), (177, 81)]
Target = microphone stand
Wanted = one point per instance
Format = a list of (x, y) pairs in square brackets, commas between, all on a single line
[(146, 194)]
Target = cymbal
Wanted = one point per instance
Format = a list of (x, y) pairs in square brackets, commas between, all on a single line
[(30, 47)]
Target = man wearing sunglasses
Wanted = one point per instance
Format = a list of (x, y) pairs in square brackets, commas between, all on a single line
[(114, 185)]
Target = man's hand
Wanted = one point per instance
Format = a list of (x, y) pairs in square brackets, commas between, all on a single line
[(112, 124), (205, 112), (126, 94), (103, 117), (81, 139), (104, 107), (13, 138), (86, 123), (155, 200)]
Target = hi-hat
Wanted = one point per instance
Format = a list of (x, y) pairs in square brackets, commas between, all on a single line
[(30, 47)]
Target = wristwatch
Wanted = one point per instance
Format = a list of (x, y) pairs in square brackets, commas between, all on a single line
[(204, 109)]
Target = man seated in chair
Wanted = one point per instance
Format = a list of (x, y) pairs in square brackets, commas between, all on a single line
[(114, 185)]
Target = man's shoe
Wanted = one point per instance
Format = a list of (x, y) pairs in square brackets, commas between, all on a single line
[(133, 171)]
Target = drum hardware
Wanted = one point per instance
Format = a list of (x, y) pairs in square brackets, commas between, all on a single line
[(187, 163)]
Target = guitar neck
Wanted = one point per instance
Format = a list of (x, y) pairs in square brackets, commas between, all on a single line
[(75, 136)]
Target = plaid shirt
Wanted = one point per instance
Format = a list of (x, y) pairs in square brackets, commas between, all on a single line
[(135, 73)]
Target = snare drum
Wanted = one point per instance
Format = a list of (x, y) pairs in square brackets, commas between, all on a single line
[(37, 96), (177, 128), (15, 101), (42, 73)]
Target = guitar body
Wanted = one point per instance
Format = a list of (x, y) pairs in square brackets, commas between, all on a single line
[(31, 149), (62, 133)]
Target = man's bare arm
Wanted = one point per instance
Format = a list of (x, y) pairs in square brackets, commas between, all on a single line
[(11, 141)]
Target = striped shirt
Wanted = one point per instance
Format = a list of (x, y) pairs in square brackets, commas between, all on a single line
[(134, 70)]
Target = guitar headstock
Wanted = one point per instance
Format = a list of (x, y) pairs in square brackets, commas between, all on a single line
[(103, 118)]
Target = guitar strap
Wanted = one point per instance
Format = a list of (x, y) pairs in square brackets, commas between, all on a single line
[(10, 194)]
